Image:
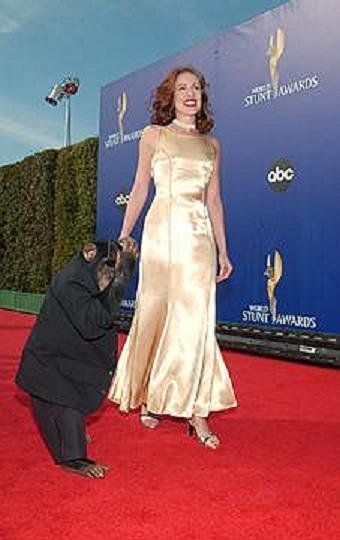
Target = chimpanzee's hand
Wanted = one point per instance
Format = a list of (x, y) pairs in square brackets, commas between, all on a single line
[(124, 267), (129, 245)]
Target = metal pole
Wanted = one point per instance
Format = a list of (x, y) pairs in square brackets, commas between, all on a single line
[(67, 132)]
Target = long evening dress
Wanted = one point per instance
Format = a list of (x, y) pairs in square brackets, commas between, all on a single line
[(171, 361)]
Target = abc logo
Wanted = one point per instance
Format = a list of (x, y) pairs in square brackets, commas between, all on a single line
[(280, 175), (122, 199)]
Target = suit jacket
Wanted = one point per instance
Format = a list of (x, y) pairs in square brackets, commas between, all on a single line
[(70, 356)]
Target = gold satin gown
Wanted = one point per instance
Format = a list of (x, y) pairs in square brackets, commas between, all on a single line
[(171, 361)]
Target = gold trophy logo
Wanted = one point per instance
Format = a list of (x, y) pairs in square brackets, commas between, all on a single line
[(275, 51), (273, 274), (121, 110)]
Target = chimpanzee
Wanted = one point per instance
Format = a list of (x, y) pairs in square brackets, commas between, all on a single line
[(70, 356)]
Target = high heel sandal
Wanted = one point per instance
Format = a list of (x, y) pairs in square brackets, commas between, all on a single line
[(149, 419), (207, 439)]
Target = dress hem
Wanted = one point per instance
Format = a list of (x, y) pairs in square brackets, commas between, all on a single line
[(176, 415)]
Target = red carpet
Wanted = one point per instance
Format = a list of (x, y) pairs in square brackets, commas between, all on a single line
[(275, 477)]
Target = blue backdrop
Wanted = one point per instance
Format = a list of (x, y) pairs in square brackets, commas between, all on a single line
[(274, 86)]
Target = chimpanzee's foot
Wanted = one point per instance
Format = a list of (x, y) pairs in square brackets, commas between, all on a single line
[(85, 467)]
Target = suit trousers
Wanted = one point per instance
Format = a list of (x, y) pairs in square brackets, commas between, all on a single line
[(62, 428)]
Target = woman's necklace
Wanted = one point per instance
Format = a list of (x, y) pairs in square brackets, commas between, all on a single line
[(182, 125)]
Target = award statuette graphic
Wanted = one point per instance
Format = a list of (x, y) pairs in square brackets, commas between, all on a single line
[(275, 51), (121, 110), (273, 274)]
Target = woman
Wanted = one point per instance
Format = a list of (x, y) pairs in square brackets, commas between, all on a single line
[(171, 363)]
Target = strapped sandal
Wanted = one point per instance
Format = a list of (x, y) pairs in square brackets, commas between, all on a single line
[(203, 439), (149, 419)]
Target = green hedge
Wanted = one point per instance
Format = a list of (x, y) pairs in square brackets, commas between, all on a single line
[(75, 200), (47, 210)]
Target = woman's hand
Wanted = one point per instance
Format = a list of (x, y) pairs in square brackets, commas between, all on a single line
[(226, 268), (130, 245)]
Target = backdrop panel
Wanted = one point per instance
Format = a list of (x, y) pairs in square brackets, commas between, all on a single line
[(275, 93)]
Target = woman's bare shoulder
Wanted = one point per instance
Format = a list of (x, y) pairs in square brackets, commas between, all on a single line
[(151, 132), (214, 142), (150, 135)]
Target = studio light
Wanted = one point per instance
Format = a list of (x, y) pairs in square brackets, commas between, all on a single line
[(63, 91)]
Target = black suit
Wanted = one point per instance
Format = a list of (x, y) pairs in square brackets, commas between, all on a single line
[(70, 356)]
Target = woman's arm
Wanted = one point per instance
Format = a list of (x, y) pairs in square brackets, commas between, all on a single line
[(216, 213), (141, 184)]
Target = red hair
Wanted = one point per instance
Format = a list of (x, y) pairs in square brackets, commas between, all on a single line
[(163, 108)]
